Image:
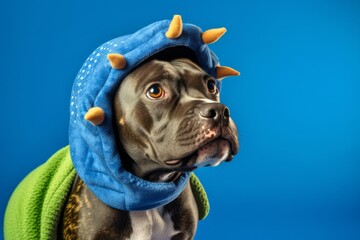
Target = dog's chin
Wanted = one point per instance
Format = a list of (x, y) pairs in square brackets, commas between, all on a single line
[(210, 154), (213, 153)]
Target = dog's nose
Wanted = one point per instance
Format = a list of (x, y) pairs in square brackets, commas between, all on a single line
[(215, 111)]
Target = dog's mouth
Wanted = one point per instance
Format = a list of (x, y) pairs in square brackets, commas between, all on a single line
[(209, 153)]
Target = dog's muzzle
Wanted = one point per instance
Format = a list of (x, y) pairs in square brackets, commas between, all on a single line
[(214, 137), (219, 145)]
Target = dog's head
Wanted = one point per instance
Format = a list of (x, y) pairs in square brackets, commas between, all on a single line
[(166, 109), (170, 120)]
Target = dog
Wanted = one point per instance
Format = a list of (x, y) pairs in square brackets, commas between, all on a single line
[(168, 120), (144, 114)]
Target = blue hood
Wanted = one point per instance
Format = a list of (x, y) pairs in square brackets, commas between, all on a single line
[(93, 148)]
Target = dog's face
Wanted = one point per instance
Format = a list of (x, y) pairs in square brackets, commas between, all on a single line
[(170, 120)]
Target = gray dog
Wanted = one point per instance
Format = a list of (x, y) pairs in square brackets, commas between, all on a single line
[(169, 120), (145, 112)]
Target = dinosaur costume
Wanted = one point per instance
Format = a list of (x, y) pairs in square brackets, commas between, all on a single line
[(35, 207)]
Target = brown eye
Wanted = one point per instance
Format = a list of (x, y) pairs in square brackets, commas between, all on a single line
[(155, 91), (211, 85)]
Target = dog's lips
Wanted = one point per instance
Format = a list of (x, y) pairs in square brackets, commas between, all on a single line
[(186, 163), (173, 162), (190, 160)]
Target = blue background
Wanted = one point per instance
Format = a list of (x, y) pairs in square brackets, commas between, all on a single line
[(296, 104)]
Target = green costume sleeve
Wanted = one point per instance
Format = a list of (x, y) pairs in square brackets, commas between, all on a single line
[(200, 196), (34, 209)]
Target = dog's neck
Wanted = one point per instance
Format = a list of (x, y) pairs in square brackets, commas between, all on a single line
[(161, 176), (157, 175)]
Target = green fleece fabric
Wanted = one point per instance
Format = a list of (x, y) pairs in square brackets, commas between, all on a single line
[(35, 207)]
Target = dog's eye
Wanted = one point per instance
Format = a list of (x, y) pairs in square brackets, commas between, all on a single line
[(211, 85), (155, 91)]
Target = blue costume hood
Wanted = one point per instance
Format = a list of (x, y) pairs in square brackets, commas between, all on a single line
[(92, 141)]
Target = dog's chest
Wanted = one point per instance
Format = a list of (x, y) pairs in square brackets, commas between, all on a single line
[(152, 224)]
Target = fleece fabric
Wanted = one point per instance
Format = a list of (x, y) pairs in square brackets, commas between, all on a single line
[(35, 207), (93, 148), (36, 204)]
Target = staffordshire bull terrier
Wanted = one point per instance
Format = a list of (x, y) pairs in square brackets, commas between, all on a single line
[(169, 120), (145, 112)]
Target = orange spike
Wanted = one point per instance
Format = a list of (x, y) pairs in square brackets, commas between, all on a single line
[(175, 28), (122, 121), (222, 71), (212, 35), (117, 60), (95, 115)]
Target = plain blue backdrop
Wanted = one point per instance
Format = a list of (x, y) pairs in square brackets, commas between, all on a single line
[(296, 104)]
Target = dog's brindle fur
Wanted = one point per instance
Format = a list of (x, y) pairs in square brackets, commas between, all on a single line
[(187, 125)]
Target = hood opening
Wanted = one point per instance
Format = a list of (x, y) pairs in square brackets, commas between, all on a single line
[(172, 53)]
